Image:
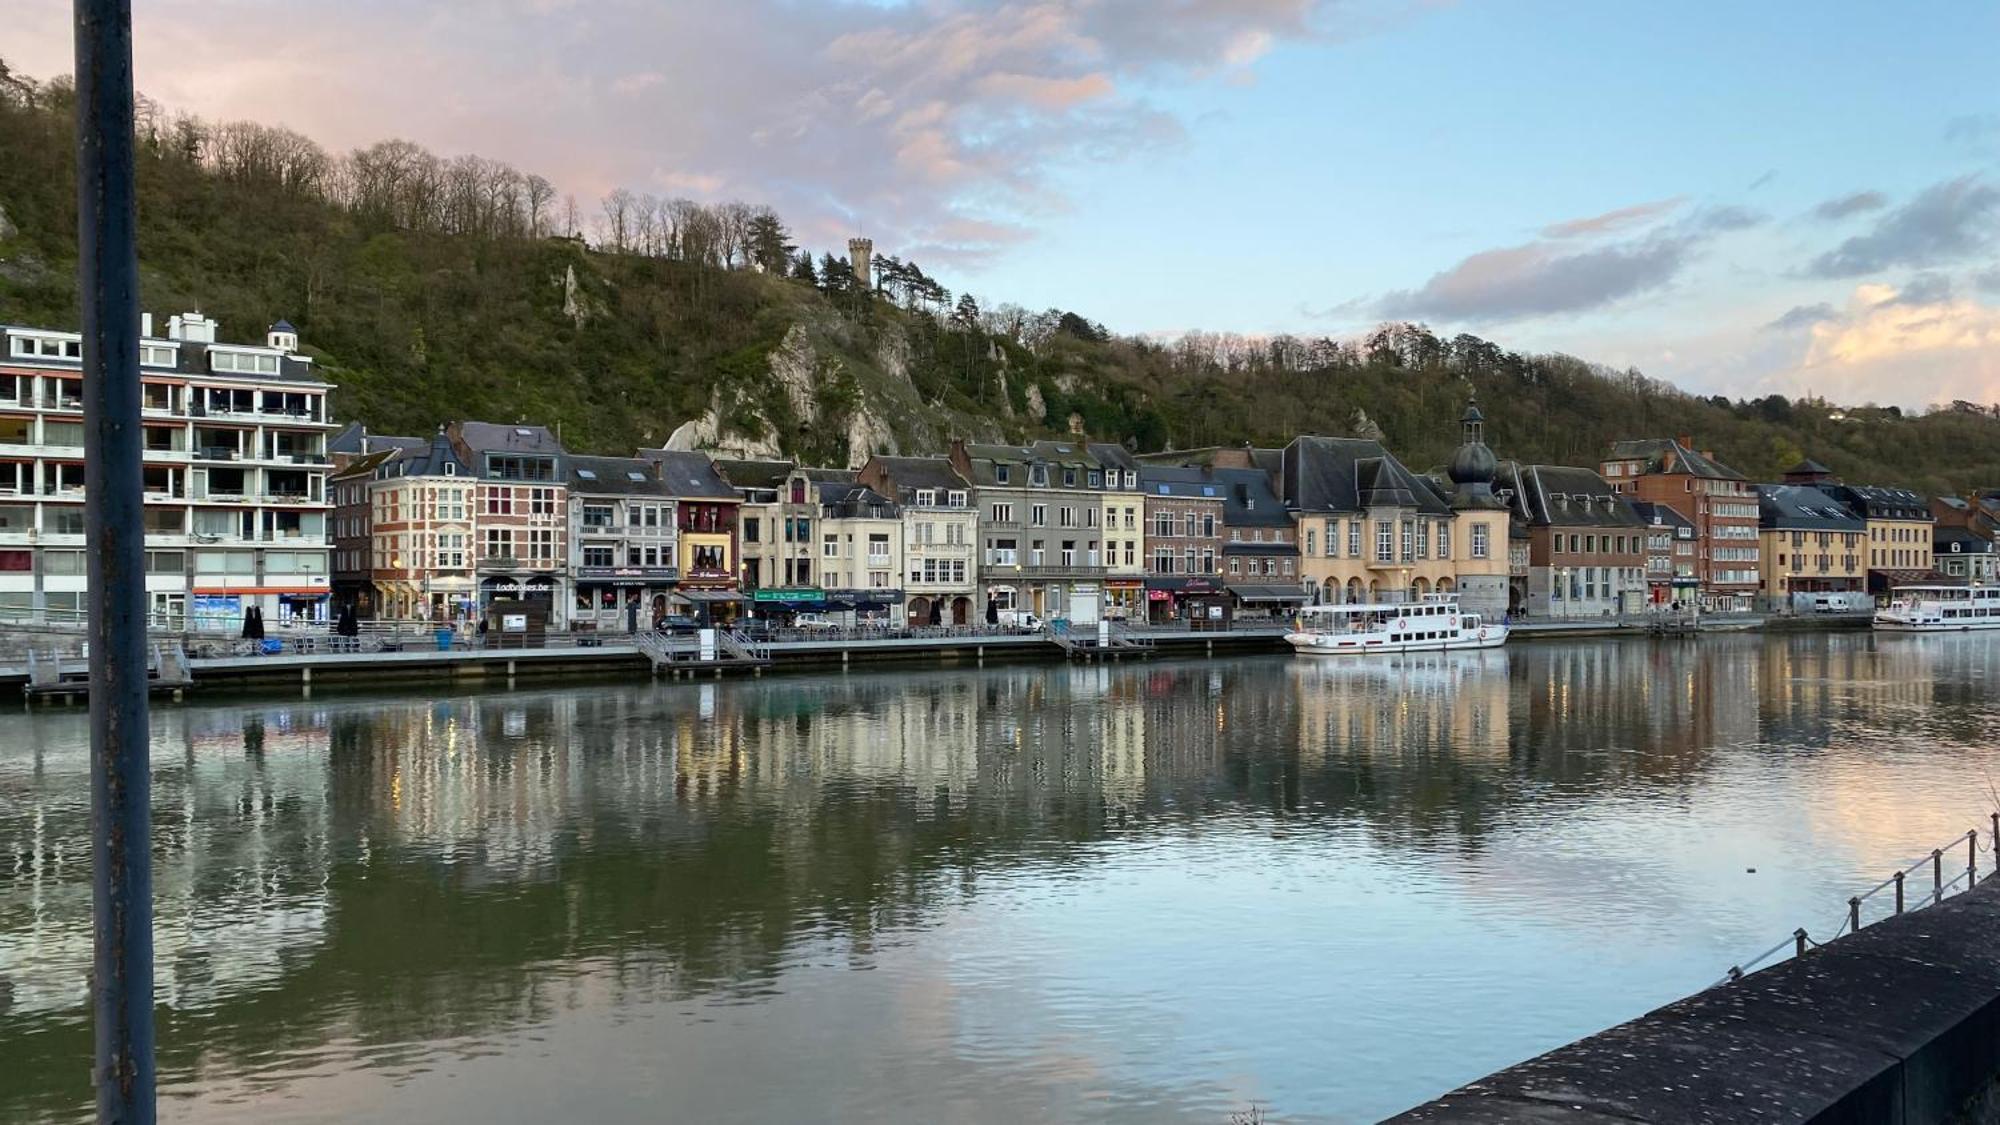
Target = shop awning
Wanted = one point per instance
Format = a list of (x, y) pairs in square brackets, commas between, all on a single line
[(1193, 584), (709, 597), (1287, 595)]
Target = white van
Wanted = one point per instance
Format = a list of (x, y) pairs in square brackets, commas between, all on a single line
[(1019, 619)]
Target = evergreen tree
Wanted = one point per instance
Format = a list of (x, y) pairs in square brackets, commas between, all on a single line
[(802, 269)]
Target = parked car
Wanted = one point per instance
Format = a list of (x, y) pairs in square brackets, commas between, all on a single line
[(1019, 619), (815, 623), (678, 624)]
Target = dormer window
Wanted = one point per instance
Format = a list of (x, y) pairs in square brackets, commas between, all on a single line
[(999, 474), (47, 347), (1039, 476), (1131, 478), (1096, 479), (240, 363), (1069, 478), (926, 498), (955, 498)]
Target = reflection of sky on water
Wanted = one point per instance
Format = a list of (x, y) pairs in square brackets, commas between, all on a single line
[(1154, 891)]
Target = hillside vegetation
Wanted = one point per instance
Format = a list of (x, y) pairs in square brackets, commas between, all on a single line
[(432, 288)]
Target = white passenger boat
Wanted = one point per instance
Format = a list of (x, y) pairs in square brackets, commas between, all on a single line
[(1435, 624), (1940, 609)]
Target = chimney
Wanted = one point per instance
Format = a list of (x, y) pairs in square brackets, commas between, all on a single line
[(146, 324), (191, 328), (1686, 441)]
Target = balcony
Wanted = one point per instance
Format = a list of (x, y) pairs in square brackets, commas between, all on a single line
[(1041, 571)]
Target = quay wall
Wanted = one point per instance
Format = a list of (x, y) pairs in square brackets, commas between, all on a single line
[(1898, 1023), (620, 659)]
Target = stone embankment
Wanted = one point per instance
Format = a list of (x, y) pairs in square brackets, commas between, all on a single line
[(1898, 1023)]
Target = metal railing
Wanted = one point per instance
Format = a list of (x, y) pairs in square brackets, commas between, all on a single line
[(1800, 940)]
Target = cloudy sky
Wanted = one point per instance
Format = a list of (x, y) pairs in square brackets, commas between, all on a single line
[(1799, 197)]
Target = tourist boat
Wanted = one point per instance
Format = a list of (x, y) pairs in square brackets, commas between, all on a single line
[(1435, 624), (1940, 609)]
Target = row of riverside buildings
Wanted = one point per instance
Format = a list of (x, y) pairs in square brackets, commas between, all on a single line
[(256, 497)]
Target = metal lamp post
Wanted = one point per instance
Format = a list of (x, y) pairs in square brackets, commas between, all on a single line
[(121, 982)]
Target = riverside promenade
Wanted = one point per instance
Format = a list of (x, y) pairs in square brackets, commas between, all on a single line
[(399, 656), (1895, 1023)]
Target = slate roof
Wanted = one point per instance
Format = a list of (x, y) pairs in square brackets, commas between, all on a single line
[(689, 473), (1801, 507), (427, 457), (1564, 496), (1325, 474), (1111, 455), (1248, 500), (1664, 455), (854, 501), (1651, 514), (365, 464), (1807, 467), (492, 437), (753, 474), (1877, 503), (1020, 458), (1965, 540), (1179, 483), (348, 440), (612, 476), (190, 358), (908, 474)]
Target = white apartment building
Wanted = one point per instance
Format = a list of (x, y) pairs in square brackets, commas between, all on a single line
[(235, 470)]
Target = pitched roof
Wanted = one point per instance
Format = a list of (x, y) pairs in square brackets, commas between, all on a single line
[(1183, 483), (493, 437), (908, 474), (1878, 503), (1326, 474), (616, 476), (1665, 455), (1564, 496), (689, 473), (1801, 507), (1111, 455), (1248, 500), (1660, 514), (1807, 467), (753, 474)]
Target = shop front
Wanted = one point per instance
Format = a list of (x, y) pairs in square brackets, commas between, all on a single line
[(864, 607), (625, 599), (780, 604), (1268, 600), (718, 608), (221, 609), (1196, 600), (1125, 599), (538, 591)]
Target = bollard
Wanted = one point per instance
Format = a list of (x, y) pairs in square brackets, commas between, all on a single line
[(1899, 892), (1854, 915), (1799, 940), (1937, 875)]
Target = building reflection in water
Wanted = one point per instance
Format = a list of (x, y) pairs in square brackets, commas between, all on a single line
[(389, 870)]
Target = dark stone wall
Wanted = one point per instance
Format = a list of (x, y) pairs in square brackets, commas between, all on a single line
[(1897, 1024)]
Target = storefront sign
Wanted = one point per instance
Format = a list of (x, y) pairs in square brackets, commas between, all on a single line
[(215, 613), (514, 623), (520, 588), (632, 576), (790, 594)]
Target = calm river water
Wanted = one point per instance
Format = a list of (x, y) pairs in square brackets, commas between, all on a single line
[(1148, 892)]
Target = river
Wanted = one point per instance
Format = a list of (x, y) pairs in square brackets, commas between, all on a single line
[(1160, 891)]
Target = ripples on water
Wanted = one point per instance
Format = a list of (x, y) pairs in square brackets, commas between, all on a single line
[(1147, 892)]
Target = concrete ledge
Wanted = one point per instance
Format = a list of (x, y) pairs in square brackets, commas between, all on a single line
[(1899, 1023)]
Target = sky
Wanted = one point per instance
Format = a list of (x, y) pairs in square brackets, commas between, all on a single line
[(1743, 199)]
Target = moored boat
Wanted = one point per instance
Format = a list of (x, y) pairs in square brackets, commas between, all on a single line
[(1940, 609), (1435, 624)]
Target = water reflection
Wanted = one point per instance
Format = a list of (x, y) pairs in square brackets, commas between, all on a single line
[(1142, 892)]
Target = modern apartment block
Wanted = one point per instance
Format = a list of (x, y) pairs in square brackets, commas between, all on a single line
[(235, 470)]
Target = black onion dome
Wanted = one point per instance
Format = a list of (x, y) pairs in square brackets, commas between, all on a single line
[(1473, 464)]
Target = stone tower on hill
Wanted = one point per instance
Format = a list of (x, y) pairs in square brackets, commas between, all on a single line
[(860, 252)]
